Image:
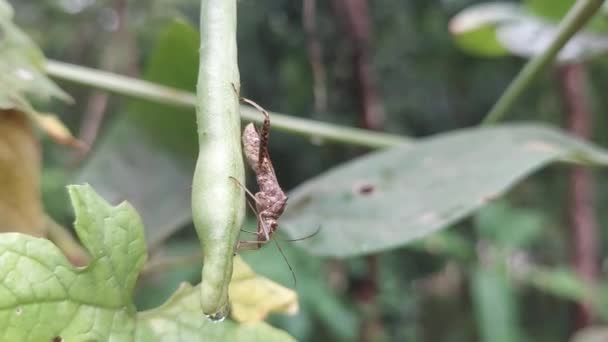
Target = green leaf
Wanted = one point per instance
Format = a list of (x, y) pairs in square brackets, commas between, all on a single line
[(501, 28), (390, 198), (180, 319), (148, 155), (552, 10), (566, 284), (474, 28), (43, 296), (562, 283), (446, 243), (495, 306), (21, 67), (555, 10), (508, 226)]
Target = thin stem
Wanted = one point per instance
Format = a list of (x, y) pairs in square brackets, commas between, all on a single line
[(574, 20), (66, 242), (133, 87), (581, 208), (162, 264)]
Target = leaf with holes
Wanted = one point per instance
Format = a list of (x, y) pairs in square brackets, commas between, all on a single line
[(390, 198)]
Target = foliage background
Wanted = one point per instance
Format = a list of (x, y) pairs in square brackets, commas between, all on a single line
[(426, 85)]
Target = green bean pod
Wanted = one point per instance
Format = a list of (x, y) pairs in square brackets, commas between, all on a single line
[(218, 203)]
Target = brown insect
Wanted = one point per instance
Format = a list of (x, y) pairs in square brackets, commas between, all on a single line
[(270, 200)]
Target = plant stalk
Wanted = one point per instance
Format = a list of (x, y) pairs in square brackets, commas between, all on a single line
[(575, 19), (137, 88), (582, 217)]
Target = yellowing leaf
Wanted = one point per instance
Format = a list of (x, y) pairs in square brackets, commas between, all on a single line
[(20, 202), (56, 130), (180, 319), (253, 297)]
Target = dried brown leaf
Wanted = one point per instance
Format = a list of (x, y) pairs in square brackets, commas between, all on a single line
[(20, 162)]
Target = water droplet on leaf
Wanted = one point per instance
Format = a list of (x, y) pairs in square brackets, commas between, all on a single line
[(220, 315)]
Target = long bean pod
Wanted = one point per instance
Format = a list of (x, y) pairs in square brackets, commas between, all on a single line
[(218, 206)]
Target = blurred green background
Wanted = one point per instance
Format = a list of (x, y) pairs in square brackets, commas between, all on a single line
[(448, 287)]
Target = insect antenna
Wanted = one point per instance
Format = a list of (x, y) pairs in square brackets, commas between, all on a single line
[(304, 237), (293, 274)]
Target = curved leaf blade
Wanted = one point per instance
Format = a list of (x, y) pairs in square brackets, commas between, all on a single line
[(390, 198)]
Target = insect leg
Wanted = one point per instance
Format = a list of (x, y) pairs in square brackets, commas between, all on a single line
[(244, 188), (250, 244), (264, 134)]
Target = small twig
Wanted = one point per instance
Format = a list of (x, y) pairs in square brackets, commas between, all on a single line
[(129, 86), (358, 29), (583, 222), (577, 17)]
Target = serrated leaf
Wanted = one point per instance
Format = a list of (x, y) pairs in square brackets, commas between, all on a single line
[(390, 198), (43, 296), (501, 28), (180, 319)]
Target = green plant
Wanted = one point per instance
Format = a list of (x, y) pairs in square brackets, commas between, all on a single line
[(385, 200), (218, 205)]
